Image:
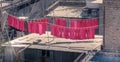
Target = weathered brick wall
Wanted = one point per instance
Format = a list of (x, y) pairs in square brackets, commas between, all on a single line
[(112, 25)]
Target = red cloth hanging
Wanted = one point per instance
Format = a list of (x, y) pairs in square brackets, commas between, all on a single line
[(66, 32), (21, 25), (72, 33), (29, 27), (33, 27), (83, 29), (40, 28), (57, 21), (44, 22), (55, 31), (87, 28), (92, 33), (15, 25)]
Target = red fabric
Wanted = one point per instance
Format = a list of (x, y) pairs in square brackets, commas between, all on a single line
[(60, 23), (92, 33), (29, 27), (21, 25), (17, 27), (15, 23), (40, 28), (66, 32), (33, 27), (72, 33), (44, 22), (54, 30)]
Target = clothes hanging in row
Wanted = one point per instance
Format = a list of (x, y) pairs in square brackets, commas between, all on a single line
[(79, 29), (16, 23), (38, 26), (72, 33), (58, 30)]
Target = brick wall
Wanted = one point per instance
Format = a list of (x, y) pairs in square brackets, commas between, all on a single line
[(112, 25)]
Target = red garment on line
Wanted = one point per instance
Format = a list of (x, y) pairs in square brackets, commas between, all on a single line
[(72, 33), (15, 25), (30, 27), (40, 28), (66, 32), (44, 22), (54, 30), (21, 25)]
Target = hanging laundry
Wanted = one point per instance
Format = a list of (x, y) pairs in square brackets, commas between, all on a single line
[(40, 28), (15, 24), (30, 27), (44, 22), (73, 23), (21, 25), (60, 21), (72, 33), (66, 32), (54, 30)]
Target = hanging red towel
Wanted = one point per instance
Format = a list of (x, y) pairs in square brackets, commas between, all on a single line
[(66, 32), (92, 33), (55, 31), (15, 23), (62, 22), (57, 21), (40, 28), (72, 33), (83, 29), (44, 22), (33, 27), (73, 23), (29, 27), (87, 28), (21, 25)]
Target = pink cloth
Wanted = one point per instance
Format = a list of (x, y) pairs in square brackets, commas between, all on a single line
[(72, 33), (40, 28), (21, 25), (29, 27), (66, 32)]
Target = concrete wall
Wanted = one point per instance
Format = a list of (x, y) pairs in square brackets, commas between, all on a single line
[(112, 25)]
